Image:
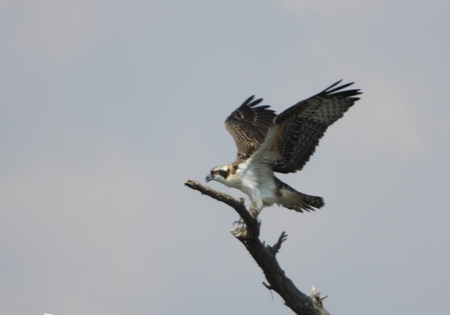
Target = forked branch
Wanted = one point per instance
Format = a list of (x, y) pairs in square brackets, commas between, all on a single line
[(265, 257)]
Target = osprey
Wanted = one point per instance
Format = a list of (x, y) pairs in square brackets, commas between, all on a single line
[(283, 143)]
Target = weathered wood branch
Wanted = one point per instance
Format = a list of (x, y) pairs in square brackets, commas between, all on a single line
[(238, 205), (265, 257)]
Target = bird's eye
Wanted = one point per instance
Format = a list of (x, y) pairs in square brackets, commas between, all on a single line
[(215, 172)]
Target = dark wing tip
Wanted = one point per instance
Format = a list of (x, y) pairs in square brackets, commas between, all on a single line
[(250, 104), (332, 89), (249, 101), (249, 109)]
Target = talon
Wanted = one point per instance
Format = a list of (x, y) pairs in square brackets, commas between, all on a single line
[(239, 229)]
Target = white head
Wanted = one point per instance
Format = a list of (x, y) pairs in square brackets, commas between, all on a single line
[(220, 174)]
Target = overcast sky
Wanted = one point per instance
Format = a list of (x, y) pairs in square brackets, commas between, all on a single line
[(108, 107)]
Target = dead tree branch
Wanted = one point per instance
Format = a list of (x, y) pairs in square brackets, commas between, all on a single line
[(265, 257)]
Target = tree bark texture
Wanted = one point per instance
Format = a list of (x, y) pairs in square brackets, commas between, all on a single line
[(265, 257)]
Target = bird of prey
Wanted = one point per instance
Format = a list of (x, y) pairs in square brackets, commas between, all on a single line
[(283, 143)]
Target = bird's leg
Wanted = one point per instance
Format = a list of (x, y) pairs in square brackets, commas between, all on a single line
[(255, 209), (254, 213)]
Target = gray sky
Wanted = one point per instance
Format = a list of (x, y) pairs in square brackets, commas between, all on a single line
[(108, 107)]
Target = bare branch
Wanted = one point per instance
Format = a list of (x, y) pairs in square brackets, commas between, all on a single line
[(317, 301), (238, 205), (276, 248), (267, 286), (265, 257)]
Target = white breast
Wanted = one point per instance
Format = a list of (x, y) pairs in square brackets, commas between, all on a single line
[(256, 180)]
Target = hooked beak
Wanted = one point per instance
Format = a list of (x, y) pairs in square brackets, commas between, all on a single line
[(208, 178)]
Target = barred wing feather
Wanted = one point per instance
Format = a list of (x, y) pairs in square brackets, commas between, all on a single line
[(249, 125), (296, 132)]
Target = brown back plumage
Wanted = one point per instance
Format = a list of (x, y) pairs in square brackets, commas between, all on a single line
[(249, 125)]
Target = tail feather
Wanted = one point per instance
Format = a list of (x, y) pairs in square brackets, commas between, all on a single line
[(295, 200)]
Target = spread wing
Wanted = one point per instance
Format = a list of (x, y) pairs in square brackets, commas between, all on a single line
[(249, 125), (296, 132)]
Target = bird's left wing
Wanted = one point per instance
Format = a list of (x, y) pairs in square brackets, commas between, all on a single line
[(249, 125), (296, 132)]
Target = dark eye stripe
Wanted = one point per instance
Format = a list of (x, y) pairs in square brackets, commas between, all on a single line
[(223, 173)]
